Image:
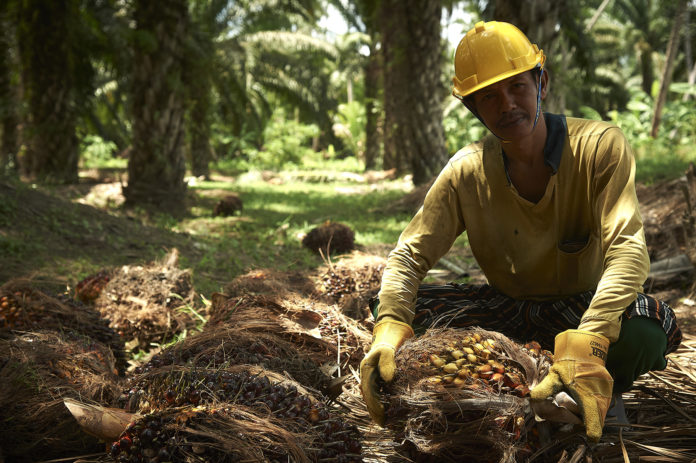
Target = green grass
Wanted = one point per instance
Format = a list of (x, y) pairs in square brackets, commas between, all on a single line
[(656, 162), (44, 232), (268, 232)]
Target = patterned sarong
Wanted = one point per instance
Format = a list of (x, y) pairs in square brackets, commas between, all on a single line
[(456, 305)]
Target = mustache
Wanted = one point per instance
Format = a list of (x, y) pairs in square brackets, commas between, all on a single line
[(511, 117)]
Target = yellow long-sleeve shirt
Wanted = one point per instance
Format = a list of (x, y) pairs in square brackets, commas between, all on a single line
[(585, 233)]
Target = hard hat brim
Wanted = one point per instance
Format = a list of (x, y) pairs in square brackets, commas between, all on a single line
[(500, 77)]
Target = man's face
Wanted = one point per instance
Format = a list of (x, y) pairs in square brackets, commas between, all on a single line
[(508, 107)]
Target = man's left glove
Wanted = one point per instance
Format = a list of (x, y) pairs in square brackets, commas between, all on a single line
[(387, 336), (579, 360)]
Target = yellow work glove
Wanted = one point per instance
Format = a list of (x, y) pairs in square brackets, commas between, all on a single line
[(387, 336), (579, 369)]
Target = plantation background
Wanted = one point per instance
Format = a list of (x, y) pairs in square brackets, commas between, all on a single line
[(126, 126)]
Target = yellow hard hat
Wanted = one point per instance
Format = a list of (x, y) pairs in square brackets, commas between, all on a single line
[(490, 52)]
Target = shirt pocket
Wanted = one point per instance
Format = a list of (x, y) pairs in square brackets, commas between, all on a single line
[(579, 264)]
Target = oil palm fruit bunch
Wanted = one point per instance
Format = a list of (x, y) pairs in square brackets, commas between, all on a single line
[(541, 357), (535, 350), (475, 362), (20, 311), (182, 388), (10, 311), (220, 435), (89, 289), (330, 237), (255, 353), (336, 285)]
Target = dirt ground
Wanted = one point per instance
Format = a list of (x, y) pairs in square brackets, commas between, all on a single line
[(61, 220), (666, 217), (663, 205)]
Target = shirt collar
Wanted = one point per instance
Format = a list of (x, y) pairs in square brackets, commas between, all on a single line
[(556, 131)]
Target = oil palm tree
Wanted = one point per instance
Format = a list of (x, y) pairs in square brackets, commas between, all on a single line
[(362, 17), (267, 56), (208, 19), (9, 104), (413, 89), (156, 166), (51, 69), (647, 29)]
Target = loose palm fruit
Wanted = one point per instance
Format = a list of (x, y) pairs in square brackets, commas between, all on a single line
[(498, 367), (484, 369), (450, 368), (512, 380), (437, 361), (433, 380), (522, 390), (459, 382), (534, 347)]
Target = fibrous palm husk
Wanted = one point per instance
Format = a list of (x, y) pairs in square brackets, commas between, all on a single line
[(229, 205), (318, 328), (330, 237), (26, 306), (147, 303), (90, 288), (234, 414), (380, 444), (269, 282), (351, 282), (454, 405), (37, 371), (226, 346)]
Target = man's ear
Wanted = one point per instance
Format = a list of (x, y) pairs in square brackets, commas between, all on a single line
[(544, 83)]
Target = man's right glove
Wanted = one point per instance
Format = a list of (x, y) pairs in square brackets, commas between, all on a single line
[(387, 336), (579, 360)]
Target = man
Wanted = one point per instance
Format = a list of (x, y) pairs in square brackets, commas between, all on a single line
[(551, 213)]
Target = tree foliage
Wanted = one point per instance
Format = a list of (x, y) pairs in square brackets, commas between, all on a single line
[(206, 85)]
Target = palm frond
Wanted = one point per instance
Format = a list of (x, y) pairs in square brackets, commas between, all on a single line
[(289, 41)]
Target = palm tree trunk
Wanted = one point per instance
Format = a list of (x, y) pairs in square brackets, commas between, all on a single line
[(48, 82), (9, 119), (672, 47), (646, 66), (413, 91), (690, 65), (157, 166), (201, 151), (537, 19), (391, 16), (372, 75)]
